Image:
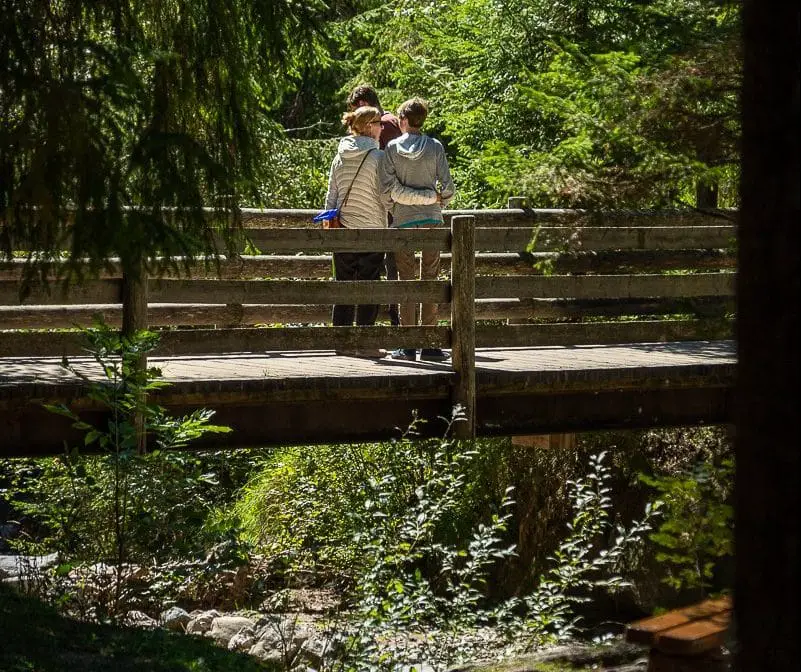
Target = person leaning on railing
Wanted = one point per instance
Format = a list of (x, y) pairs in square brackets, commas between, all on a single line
[(417, 161), (355, 187)]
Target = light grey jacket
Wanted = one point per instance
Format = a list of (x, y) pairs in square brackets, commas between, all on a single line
[(369, 199), (416, 162)]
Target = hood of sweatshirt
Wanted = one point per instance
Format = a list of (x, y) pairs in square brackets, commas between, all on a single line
[(412, 145), (355, 145)]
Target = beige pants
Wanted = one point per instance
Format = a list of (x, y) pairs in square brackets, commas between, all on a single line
[(408, 270)]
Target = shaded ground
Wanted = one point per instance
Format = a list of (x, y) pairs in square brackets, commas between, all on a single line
[(34, 638)]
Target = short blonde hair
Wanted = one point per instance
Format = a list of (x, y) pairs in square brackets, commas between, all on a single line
[(358, 120)]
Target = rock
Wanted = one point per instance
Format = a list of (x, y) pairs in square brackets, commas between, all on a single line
[(139, 619), (617, 656), (175, 619), (201, 623), (269, 648), (281, 638), (223, 628), (321, 646), (243, 641), (15, 566)]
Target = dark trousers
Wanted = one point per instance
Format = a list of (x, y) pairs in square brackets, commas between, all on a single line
[(356, 266), (392, 274)]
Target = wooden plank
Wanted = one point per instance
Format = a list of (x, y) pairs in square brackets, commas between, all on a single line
[(564, 238), (349, 240), (298, 291), (695, 637), (187, 314), (224, 341), (527, 217), (159, 315), (463, 323), (488, 263), (646, 630), (608, 333), (572, 309), (606, 286), (91, 291)]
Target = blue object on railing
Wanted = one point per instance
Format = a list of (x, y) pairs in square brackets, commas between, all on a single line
[(326, 215)]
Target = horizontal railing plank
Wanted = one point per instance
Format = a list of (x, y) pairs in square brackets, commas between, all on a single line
[(187, 314), (523, 263), (160, 315), (601, 333), (349, 240), (216, 341), (606, 286), (516, 217), (565, 238), (298, 291), (239, 291)]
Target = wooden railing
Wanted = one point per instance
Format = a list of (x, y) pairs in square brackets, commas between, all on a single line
[(518, 277)]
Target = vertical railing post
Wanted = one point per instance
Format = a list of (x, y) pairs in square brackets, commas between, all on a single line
[(517, 202), (134, 318), (463, 320)]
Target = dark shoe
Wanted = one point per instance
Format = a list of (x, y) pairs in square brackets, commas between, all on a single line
[(433, 355), (407, 354)]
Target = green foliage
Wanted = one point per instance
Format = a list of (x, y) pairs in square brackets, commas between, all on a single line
[(300, 506), (573, 104), (126, 118), (122, 505), (409, 581), (697, 530)]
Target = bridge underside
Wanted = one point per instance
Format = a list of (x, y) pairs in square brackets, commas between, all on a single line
[(319, 397)]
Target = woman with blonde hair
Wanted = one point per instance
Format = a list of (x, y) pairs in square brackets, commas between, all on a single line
[(358, 188)]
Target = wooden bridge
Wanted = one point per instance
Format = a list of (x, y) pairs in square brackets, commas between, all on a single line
[(560, 321)]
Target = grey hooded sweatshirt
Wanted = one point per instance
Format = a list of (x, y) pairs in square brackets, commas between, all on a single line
[(369, 198), (416, 162), (367, 204)]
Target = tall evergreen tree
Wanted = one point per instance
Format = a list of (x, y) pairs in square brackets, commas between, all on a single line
[(130, 116)]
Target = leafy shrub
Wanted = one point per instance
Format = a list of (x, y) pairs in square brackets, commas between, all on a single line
[(697, 532), (416, 598), (122, 506)]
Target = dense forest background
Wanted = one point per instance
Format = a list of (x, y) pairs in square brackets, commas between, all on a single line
[(622, 104)]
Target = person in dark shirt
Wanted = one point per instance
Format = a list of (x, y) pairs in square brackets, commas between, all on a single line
[(364, 94)]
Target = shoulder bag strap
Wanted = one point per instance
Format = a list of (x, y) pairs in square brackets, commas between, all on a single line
[(345, 200)]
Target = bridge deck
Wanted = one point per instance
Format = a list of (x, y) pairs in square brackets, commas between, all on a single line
[(296, 397)]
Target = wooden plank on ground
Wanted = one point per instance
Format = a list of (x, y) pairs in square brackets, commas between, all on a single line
[(695, 637), (646, 630)]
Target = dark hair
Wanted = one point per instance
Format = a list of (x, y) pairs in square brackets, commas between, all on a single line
[(364, 93), (414, 110)]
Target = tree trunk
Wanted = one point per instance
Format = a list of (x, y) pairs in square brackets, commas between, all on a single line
[(767, 418)]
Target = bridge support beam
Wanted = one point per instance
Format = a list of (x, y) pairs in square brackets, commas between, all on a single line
[(463, 321)]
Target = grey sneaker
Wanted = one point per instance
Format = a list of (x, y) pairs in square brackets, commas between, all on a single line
[(407, 354)]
